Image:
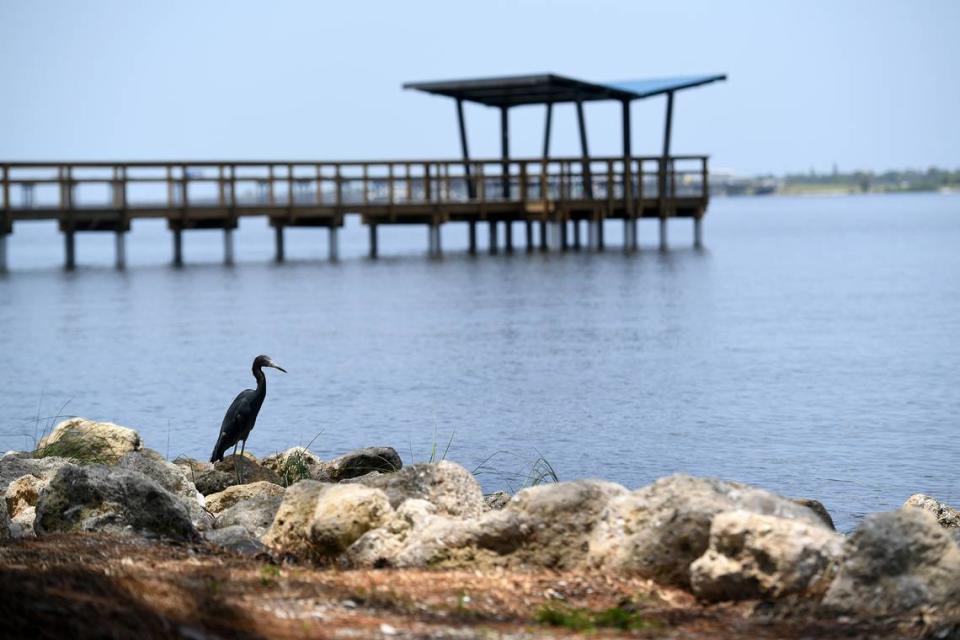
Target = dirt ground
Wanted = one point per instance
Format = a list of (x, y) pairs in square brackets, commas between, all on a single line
[(93, 586)]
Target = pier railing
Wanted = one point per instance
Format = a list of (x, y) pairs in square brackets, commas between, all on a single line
[(557, 193), (38, 190)]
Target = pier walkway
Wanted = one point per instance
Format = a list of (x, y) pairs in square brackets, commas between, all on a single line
[(551, 200)]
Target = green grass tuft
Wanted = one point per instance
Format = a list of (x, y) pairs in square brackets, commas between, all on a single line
[(295, 468), (574, 619), (622, 618), (540, 472), (43, 426), (269, 574), (433, 449)]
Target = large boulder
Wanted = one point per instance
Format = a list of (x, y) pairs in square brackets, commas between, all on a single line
[(320, 520), (22, 479), (90, 442), (100, 498), (343, 514), (381, 547), (947, 516), (254, 514), (546, 526), (359, 463), (172, 478), (659, 530), (451, 488), (756, 556), (897, 562), (217, 502), (235, 538), (441, 541), (168, 475), (556, 522), (17, 465), (290, 530)]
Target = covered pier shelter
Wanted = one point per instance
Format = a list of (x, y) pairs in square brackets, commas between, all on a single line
[(601, 193)]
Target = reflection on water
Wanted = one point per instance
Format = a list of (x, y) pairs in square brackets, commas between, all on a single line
[(810, 349)]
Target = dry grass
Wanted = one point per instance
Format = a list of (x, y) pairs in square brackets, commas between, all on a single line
[(96, 586)]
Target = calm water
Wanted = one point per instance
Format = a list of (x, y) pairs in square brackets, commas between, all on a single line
[(812, 348)]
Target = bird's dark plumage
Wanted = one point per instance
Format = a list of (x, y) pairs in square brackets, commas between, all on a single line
[(242, 414)]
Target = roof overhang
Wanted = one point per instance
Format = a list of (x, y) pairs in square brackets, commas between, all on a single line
[(511, 91)]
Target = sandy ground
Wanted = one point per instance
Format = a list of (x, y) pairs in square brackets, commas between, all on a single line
[(95, 586)]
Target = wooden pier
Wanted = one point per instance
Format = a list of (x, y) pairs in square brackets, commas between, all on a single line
[(551, 199)]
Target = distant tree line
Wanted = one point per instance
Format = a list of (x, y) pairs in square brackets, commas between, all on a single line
[(836, 182), (932, 179)]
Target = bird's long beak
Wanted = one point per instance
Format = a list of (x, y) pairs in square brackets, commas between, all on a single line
[(276, 366)]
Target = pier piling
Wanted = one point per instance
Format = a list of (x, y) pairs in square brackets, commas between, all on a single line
[(663, 234), (121, 249), (528, 227), (553, 237), (373, 241), (333, 244), (508, 236), (576, 234), (472, 236), (493, 237), (3, 252), (69, 246), (228, 246), (543, 236), (278, 241), (698, 232), (434, 240), (177, 248)]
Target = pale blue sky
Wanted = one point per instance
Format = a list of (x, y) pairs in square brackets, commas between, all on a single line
[(864, 84)]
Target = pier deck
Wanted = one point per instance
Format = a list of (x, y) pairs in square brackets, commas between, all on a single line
[(558, 194)]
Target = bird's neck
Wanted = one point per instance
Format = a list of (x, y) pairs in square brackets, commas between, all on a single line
[(261, 380)]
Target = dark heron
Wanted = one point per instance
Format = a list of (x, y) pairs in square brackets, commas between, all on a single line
[(242, 414)]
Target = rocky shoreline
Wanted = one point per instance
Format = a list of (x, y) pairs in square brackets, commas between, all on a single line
[(733, 553)]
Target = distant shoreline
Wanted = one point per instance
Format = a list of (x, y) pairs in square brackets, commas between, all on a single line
[(932, 180), (817, 190)]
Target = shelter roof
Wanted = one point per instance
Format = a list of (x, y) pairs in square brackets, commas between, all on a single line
[(509, 91)]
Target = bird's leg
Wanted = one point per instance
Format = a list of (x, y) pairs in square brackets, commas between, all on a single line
[(242, 447), (235, 467)]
